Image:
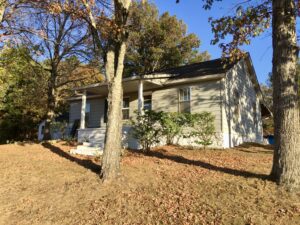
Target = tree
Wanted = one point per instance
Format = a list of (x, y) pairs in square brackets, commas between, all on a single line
[(158, 41), (56, 37), (241, 28), (21, 81), (267, 90), (2, 9), (286, 163), (110, 35)]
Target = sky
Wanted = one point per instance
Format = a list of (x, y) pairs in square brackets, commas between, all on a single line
[(196, 18)]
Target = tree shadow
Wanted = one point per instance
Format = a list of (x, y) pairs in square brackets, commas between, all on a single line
[(269, 148), (86, 163), (205, 165)]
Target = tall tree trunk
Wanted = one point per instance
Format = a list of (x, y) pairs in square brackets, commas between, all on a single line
[(114, 73), (112, 151), (3, 4), (286, 161), (50, 105)]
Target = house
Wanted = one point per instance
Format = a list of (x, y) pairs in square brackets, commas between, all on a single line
[(231, 92)]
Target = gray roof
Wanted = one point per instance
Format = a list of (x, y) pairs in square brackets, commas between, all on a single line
[(211, 67)]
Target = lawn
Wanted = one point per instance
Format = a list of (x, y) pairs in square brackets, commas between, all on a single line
[(43, 184)]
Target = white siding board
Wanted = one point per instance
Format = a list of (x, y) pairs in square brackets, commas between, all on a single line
[(96, 113), (205, 96), (241, 128), (74, 111), (165, 100)]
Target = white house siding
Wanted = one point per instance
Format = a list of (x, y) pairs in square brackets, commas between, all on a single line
[(205, 96), (97, 112), (239, 112), (133, 103), (165, 100), (96, 116), (74, 112)]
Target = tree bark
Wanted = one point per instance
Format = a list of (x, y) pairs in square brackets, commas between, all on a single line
[(112, 150), (286, 161), (114, 73), (50, 105), (3, 4)]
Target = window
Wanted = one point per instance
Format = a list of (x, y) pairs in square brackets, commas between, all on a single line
[(125, 109), (185, 100), (148, 102)]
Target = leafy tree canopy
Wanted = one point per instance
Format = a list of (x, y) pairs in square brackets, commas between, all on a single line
[(158, 41), (21, 81)]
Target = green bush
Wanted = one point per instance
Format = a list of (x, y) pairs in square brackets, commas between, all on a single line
[(203, 128), (173, 125), (147, 128)]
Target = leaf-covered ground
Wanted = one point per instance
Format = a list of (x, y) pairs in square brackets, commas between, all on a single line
[(43, 184)]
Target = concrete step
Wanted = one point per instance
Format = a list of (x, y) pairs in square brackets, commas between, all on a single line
[(87, 150)]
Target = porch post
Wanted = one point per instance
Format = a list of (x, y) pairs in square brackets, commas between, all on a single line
[(141, 97), (83, 106)]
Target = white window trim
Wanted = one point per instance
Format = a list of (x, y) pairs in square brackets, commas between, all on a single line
[(181, 101), (127, 108)]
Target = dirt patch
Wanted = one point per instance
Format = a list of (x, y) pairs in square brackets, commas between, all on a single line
[(44, 184)]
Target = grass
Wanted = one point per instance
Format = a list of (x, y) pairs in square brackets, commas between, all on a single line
[(43, 184)]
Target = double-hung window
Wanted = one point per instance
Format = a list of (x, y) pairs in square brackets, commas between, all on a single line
[(87, 115), (147, 102), (185, 100), (125, 109)]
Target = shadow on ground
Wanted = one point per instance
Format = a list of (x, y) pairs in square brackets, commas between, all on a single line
[(180, 159), (86, 163)]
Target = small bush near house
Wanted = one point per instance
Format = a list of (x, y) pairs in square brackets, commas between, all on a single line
[(147, 128), (203, 128), (152, 126), (173, 125)]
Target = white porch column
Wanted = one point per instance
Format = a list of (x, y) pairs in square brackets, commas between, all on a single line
[(141, 97), (83, 106)]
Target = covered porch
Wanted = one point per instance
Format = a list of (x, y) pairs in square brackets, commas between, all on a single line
[(94, 107)]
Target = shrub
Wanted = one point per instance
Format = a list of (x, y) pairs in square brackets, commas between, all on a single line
[(202, 128), (150, 127), (147, 128), (173, 125)]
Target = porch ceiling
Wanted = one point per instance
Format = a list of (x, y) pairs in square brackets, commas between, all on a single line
[(130, 86)]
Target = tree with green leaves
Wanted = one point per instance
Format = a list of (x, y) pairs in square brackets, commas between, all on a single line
[(55, 37), (107, 23), (21, 81), (251, 19), (158, 42)]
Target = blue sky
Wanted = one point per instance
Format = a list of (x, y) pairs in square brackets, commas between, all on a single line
[(196, 18)]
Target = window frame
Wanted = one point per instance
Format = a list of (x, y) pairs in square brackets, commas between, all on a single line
[(126, 108), (147, 98), (87, 114), (184, 100)]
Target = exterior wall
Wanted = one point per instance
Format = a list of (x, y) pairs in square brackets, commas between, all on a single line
[(96, 112), (205, 96), (233, 126), (241, 123), (165, 100), (74, 112), (96, 116), (133, 103)]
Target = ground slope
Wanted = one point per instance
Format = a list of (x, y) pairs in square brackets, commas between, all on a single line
[(43, 184)]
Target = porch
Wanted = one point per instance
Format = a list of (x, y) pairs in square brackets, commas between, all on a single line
[(93, 117)]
